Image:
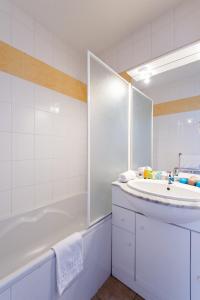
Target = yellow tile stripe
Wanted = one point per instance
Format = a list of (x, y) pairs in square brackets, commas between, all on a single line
[(177, 106), (126, 76), (20, 64)]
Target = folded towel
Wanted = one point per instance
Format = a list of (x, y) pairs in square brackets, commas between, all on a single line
[(126, 176), (69, 260)]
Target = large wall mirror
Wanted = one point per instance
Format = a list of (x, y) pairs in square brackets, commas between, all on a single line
[(141, 129), (173, 82)]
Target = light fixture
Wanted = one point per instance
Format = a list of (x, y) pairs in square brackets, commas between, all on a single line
[(147, 80), (189, 121), (167, 62), (144, 73), (55, 109)]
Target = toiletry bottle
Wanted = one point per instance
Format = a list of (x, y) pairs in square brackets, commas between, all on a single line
[(158, 175), (193, 180), (198, 184), (154, 175), (146, 172), (150, 174)]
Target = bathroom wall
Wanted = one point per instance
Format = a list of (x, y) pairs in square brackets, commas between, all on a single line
[(177, 89), (42, 132), (174, 134), (174, 29)]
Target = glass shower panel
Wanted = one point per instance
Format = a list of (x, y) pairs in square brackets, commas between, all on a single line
[(108, 99), (141, 130)]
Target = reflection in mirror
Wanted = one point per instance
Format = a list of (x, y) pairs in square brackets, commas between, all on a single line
[(176, 96), (141, 133)]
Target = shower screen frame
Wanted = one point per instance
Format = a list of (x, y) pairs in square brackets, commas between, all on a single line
[(92, 219)]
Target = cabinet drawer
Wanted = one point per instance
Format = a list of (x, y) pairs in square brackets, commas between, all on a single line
[(123, 255), (123, 218)]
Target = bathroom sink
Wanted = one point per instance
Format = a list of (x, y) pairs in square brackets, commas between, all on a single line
[(175, 203), (160, 188)]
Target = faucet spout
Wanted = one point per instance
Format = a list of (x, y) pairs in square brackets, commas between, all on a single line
[(170, 178)]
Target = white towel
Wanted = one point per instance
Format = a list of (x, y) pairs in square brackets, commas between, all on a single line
[(69, 260), (126, 176)]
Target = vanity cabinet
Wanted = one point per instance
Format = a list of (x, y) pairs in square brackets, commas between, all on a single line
[(162, 259), (195, 266), (123, 245), (151, 257)]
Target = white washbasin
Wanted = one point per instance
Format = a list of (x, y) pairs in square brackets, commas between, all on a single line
[(179, 205), (160, 188)]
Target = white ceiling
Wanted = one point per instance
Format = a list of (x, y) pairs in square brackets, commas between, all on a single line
[(94, 24)]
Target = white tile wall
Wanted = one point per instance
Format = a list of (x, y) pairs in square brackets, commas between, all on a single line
[(25, 33), (5, 149), (5, 295), (23, 119), (42, 133), (44, 194), (173, 89), (5, 28), (5, 88), (23, 146), (187, 21), (173, 134), (162, 34), (124, 52), (5, 204), (177, 27), (5, 116), (23, 199), (22, 91), (23, 173), (44, 44), (142, 44), (44, 152), (22, 37), (5, 6), (43, 122), (5, 175)]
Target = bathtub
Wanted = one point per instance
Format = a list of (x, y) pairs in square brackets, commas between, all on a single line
[(27, 263)]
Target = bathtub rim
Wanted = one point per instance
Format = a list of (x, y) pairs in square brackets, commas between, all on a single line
[(34, 264)]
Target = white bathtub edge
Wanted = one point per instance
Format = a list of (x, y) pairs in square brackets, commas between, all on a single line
[(27, 269)]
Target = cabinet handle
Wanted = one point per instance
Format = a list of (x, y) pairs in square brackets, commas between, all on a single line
[(198, 277)]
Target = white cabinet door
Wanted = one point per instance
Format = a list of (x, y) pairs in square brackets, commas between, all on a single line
[(162, 259), (123, 255), (123, 218), (195, 266)]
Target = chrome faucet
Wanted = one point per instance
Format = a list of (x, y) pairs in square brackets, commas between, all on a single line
[(170, 181), (170, 178), (176, 171)]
